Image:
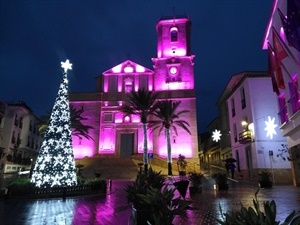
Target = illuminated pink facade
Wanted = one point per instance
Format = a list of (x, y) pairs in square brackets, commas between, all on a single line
[(173, 77)]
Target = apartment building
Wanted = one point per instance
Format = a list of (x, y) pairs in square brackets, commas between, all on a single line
[(256, 140), (20, 140), (282, 40)]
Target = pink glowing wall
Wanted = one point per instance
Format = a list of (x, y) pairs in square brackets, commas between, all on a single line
[(82, 146), (183, 143), (118, 78)]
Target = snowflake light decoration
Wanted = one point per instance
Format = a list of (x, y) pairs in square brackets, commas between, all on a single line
[(216, 135), (66, 65), (270, 127)]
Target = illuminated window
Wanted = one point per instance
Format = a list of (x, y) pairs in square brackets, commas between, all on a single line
[(282, 108), (127, 119), (243, 99), (294, 93), (128, 84), (174, 34)]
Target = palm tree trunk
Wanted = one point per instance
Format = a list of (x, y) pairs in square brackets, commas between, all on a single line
[(169, 152), (145, 156)]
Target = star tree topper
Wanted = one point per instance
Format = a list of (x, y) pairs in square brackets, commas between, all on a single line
[(216, 135), (66, 65), (270, 127)]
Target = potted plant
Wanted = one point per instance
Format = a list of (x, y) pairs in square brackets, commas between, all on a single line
[(255, 215), (140, 211), (181, 164), (220, 181), (264, 178), (195, 182), (164, 207)]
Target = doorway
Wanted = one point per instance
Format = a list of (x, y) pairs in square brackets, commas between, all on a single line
[(126, 145), (249, 162)]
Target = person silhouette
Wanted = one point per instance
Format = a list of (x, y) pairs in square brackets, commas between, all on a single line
[(227, 166), (232, 169)]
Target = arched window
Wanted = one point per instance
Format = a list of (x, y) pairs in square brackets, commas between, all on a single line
[(174, 34)]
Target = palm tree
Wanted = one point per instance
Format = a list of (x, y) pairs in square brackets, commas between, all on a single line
[(78, 128), (168, 117), (141, 103)]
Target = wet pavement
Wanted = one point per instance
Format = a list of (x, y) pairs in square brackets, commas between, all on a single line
[(113, 209)]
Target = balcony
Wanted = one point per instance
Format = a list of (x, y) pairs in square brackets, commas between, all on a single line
[(245, 137)]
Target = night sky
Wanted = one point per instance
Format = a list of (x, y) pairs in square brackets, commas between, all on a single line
[(96, 35)]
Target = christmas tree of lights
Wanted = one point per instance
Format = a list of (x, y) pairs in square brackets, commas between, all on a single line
[(55, 165)]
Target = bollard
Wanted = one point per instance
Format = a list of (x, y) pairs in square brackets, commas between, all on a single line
[(64, 193), (109, 184)]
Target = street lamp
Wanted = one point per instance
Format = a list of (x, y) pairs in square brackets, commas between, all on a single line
[(245, 124)]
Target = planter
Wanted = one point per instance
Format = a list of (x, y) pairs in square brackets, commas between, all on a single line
[(195, 190), (265, 184), (141, 216), (151, 222), (221, 187), (182, 173)]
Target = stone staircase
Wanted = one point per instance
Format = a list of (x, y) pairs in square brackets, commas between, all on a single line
[(109, 168), (123, 168)]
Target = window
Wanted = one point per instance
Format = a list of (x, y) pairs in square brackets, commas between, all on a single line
[(18, 139), (232, 108), (107, 117), (235, 133), (16, 119), (13, 138), (282, 108), (128, 84), (294, 93), (174, 34), (32, 142), (21, 122), (30, 125), (243, 99), (28, 141)]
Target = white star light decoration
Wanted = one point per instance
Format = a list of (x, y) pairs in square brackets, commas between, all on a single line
[(66, 65), (216, 135), (270, 127)]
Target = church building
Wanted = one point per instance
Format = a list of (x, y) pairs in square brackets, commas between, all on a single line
[(117, 135)]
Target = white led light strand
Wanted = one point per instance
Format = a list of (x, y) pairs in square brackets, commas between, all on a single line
[(55, 165)]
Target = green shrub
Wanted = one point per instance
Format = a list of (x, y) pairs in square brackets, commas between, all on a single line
[(254, 216), (95, 183), (21, 186), (195, 178), (163, 205), (143, 181)]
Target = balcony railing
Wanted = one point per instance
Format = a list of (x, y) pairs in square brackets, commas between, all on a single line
[(245, 136)]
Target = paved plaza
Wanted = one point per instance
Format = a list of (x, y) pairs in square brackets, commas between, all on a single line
[(113, 209)]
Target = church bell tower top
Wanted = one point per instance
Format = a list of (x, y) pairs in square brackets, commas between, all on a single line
[(173, 35)]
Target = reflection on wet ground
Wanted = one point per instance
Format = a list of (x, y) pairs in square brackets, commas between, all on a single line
[(113, 209)]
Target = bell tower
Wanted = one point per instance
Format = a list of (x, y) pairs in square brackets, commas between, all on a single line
[(174, 66)]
